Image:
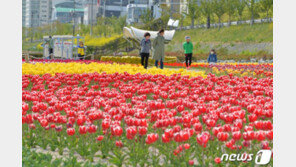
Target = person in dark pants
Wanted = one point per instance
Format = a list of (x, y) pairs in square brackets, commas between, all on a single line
[(188, 47), (81, 50), (159, 47), (145, 49), (49, 42)]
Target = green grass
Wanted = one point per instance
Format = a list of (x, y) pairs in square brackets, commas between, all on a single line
[(257, 33), (28, 46)]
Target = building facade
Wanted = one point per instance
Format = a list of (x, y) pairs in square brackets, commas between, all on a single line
[(36, 13), (135, 9), (68, 11), (109, 8), (32, 13), (24, 13), (45, 12), (91, 10)]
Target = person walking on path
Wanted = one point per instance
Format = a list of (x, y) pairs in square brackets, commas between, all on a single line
[(212, 59), (188, 47), (158, 46), (145, 49)]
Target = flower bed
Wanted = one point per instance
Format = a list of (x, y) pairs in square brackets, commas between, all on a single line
[(238, 69), (94, 67), (127, 115)]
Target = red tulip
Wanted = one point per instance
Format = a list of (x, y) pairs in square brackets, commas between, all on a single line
[(186, 146), (236, 135), (203, 138), (217, 160), (43, 122), (70, 131), (100, 138), (222, 136), (151, 138), (116, 130), (142, 130), (191, 162), (32, 126), (165, 139), (82, 130), (119, 143)]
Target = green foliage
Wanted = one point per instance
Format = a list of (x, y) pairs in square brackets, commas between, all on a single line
[(105, 27), (146, 16), (265, 6), (230, 8), (207, 10), (253, 8), (34, 159), (165, 15), (193, 11), (240, 6), (219, 9), (241, 33)]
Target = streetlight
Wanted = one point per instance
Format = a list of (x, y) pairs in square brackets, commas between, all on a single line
[(91, 16), (74, 19)]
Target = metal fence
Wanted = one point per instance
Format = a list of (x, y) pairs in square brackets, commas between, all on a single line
[(216, 25)]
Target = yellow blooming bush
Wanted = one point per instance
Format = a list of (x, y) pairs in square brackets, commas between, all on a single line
[(80, 68), (134, 60), (102, 41)]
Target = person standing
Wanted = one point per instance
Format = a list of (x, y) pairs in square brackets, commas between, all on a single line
[(188, 47), (212, 59), (81, 50), (49, 43), (158, 46), (145, 49)]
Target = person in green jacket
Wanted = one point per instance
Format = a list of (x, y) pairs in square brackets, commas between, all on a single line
[(188, 47), (158, 46)]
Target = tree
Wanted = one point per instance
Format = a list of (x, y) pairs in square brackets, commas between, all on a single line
[(181, 17), (165, 15), (252, 7), (206, 9), (230, 9), (146, 16), (266, 5), (192, 11), (219, 9), (240, 6)]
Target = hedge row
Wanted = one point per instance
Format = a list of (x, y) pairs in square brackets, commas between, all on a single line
[(134, 59)]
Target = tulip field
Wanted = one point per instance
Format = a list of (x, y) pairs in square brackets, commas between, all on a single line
[(93, 113)]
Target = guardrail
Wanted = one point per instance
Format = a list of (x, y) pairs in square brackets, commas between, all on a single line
[(29, 57), (216, 25)]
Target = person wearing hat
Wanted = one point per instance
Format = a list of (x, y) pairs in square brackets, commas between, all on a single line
[(188, 47)]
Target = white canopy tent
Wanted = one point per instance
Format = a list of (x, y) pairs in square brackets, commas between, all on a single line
[(138, 34)]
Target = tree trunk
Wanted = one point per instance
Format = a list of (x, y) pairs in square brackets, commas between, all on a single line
[(192, 23), (208, 22), (219, 22), (252, 18), (229, 20), (181, 25), (240, 19)]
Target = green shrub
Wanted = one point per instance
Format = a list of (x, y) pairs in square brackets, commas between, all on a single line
[(134, 59)]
